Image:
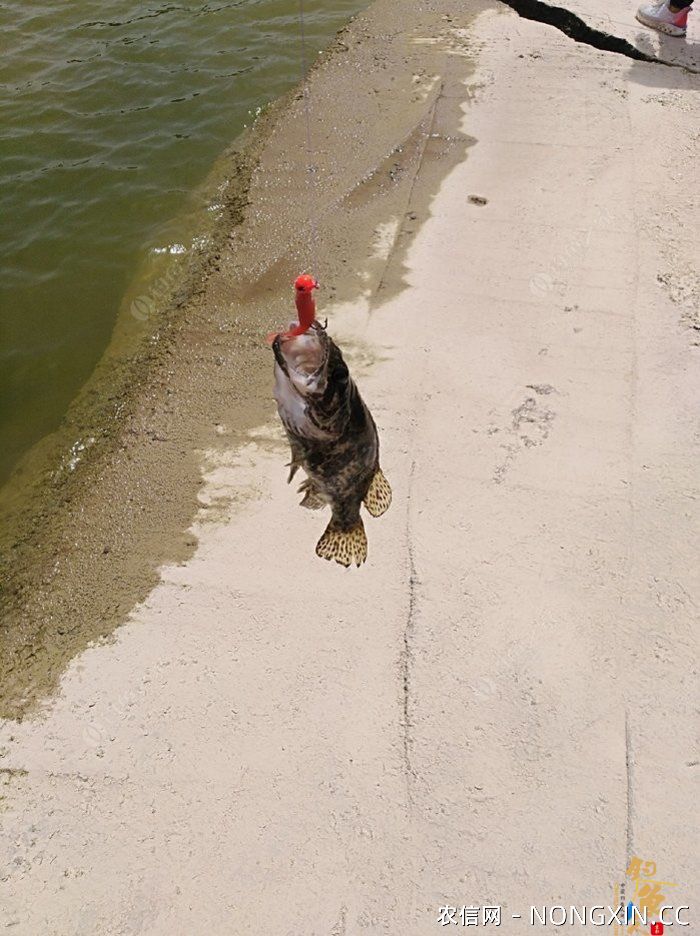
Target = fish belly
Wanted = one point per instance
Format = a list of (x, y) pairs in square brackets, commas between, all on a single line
[(293, 409)]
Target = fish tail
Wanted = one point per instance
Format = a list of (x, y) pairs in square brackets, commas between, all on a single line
[(345, 546), (378, 496)]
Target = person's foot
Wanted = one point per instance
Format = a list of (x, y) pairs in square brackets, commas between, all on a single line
[(661, 17)]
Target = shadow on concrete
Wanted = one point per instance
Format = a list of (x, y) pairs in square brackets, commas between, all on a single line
[(686, 74)]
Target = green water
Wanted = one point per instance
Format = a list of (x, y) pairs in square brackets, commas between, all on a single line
[(110, 115)]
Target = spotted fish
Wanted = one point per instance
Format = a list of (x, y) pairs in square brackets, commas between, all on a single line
[(332, 437)]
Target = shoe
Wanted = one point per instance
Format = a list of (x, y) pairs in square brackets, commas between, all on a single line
[(659, 16)]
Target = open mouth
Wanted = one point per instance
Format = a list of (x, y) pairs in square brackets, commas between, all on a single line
[(305, 354)]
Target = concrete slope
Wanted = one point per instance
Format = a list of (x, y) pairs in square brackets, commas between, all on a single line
[(500, 708), (616, 29), (620, 21)]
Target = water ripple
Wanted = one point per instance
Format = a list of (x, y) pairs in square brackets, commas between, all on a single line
[(108, 124)]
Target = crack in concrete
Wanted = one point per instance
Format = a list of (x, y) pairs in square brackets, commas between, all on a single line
[(340, 928), (407, 652), (428, 121), (575, 28), (629, 769)]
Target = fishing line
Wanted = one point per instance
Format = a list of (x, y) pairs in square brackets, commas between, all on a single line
[(310, 165)]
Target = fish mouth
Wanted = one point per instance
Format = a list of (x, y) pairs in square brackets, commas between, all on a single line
[(303, 357)]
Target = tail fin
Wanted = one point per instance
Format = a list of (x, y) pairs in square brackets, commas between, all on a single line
[(378, 496), (345, 546)]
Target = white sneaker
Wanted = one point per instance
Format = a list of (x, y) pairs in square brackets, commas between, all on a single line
[(660, 17)]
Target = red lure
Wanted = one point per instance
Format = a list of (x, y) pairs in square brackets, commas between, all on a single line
[(304, 286)]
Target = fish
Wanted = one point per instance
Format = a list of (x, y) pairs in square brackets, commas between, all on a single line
[(332, 437)]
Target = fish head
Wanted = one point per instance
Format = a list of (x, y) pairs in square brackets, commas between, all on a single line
[(304, 358)]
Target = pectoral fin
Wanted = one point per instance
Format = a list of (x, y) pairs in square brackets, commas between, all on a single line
[(295, 463), (378, 496)]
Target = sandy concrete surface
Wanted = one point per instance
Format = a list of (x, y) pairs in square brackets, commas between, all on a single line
[(618, 20), (500, 708), (87, 544)]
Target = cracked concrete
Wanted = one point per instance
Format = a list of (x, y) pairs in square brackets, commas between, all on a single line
[(407, 651), (605, 40), (619, 21)]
